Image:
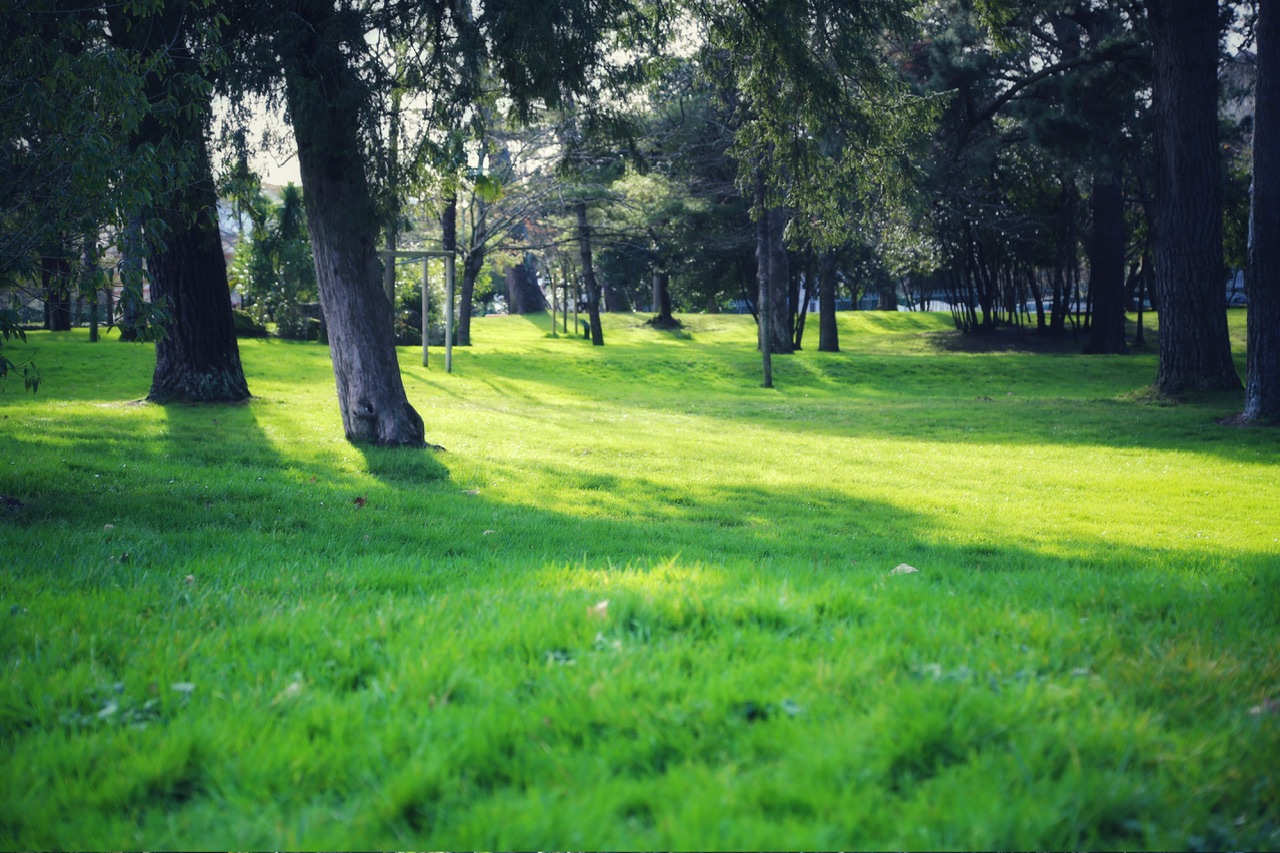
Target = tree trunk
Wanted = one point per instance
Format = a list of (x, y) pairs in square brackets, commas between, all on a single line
[(588, 272), (1106, 268), (828, 332), (764, 278), (1262, 384), (779, 272), (57, 296), (1195, 350), (523, 295), (662, 299), (197, 356), (615, 300), (472, 264), (89, 282), (323, 97)]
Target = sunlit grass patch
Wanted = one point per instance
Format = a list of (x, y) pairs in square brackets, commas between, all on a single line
[(639, 601)]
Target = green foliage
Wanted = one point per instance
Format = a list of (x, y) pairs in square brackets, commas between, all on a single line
[(9, 328), (1087, 649), (274, 268)]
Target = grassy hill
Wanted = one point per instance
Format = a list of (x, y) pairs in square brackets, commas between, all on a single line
[(640, 601)]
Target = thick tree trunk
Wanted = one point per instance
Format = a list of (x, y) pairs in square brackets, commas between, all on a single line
[(588, 272), (1195, 350), (1262, 384), (828, 332), (1106, 268), (323, 98), (523, 295), (197, 356), (198, 359)]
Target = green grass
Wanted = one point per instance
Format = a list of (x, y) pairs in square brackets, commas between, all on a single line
[(207, 642)]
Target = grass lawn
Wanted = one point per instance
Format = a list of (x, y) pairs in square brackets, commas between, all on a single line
[(640, 601)]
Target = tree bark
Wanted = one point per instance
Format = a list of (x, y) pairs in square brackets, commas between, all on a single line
[(1106, 268), (828, 332), (523, 295), (588, 272), (197, 356), (1195, 350), (1262, 371), (324, 101), (472, 264), (764, 279), (779, 272), (662, 299), (89, 281)]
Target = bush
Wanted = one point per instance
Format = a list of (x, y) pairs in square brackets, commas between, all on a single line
[(291, 324)]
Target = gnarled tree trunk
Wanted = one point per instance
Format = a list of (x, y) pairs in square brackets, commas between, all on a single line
[(324, 101), (1195, 350)]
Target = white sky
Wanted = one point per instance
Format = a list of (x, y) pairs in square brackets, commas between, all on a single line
[(276, 163)]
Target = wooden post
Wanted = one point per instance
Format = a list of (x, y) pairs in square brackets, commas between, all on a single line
[(448, 314), (425, 304)]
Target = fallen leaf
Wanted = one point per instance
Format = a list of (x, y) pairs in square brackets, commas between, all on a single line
[(108, 527), (471, 491), (182, 687), (313, 478), (191, 578), (599, 611), (360, 502), (293, 691), (487, 532), (903, 569), (111, 708)]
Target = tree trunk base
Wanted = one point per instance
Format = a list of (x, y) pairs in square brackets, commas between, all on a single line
[(200, 386), (664, 323)]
